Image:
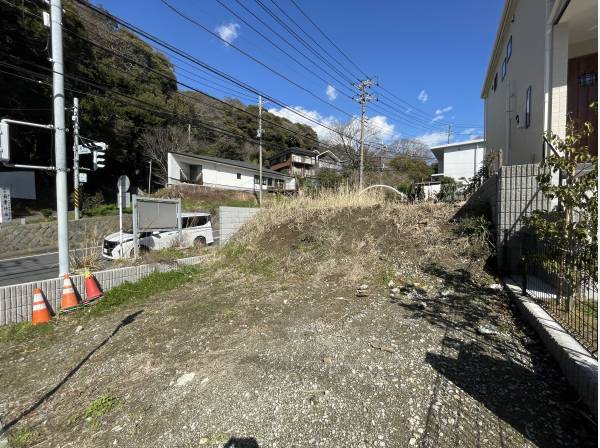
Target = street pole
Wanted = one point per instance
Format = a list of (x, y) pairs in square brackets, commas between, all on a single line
[(363, 98), (76, 157), (150, 176), (362, 143), (58, 96), (260, 160), (189, 133), (449, 131)]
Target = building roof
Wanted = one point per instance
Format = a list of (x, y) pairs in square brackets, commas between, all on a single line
[(439, 150), (296, 150), (505, 20), (231, 162)]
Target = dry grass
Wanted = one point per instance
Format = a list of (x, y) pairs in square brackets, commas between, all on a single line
[(345, 238)]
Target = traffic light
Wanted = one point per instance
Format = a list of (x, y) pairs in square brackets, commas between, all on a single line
[(98, 154)]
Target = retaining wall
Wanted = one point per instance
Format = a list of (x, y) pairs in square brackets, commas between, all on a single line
[(16, 300), (18, 239), (231, 219), (510, 196)]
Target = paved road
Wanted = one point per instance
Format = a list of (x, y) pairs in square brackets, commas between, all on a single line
[(31, 268)]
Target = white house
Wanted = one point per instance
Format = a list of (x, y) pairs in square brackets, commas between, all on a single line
[(461, 160), (224, 173), (543, 67)]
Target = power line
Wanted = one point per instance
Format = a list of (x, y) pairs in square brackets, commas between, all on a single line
[(330, 41), (206, 66), (248, 55), (353, 76), (302, 41), (220, 2)]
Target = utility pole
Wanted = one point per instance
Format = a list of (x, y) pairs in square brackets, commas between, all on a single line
[(76, 157), (260, 160), (449, 132), (363, 97), (150, 177), (58, 98), (189, 133)]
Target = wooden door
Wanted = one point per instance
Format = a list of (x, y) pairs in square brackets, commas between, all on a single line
[(582, 90)]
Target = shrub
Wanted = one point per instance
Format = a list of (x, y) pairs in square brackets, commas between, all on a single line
[(46, 212), (476, 228)]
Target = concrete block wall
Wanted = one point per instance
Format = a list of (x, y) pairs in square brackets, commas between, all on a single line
[(16, 300), (17, 239), (518, 196), (231, 219)]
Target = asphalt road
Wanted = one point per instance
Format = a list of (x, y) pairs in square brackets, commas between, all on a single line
[(31, 267)]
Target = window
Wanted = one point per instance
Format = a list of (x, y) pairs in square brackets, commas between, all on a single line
[(256, 179), (269, 182), (239, 176), (196, 174), (509, 49), (528, 108), (495, 83), (194, 221), (503, 69)]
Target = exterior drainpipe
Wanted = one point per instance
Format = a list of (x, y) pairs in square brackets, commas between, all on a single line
[(548, 73)]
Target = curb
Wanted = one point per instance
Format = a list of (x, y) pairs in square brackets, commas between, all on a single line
[(578, 366)]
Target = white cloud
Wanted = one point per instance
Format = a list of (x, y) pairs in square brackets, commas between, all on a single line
[(439, 113), (469, 131), (433, 138), (444, 110), (423, 96), (380, 126), (377, 128), (322, 133), (228, 32), (331, 93)]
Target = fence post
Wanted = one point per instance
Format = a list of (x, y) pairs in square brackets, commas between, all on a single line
[(505, 252), (524, 268)]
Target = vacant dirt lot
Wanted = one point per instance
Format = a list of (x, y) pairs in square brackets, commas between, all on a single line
[(269, 346)]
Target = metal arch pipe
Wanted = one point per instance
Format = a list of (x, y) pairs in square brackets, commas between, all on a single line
[(402, 195)]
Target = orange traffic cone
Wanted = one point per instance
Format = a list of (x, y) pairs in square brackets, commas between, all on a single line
[(92, 289), (69, 298), (40, 314)]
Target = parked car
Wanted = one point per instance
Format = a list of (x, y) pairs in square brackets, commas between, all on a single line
[(196, 230)]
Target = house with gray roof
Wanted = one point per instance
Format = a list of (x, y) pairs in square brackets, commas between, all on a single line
[(228, 174)]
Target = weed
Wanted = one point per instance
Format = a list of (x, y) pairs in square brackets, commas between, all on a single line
[(24, 330), (476, 227), (100, 407), (24, 437), (155, 283)]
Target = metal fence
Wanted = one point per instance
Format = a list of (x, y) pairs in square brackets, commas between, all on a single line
[(563, 280)]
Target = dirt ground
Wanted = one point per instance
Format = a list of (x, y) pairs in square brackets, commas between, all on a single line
[(269, 346)]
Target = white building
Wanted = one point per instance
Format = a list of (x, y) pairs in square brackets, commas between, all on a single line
[(543, 67), (461, 160), (224, 173)]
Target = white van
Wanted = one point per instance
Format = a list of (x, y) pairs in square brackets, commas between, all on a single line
[(196, 230)]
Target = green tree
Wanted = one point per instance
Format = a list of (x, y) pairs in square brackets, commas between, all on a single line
[(575, 219)]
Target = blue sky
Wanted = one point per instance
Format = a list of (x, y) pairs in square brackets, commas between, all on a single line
[(431, 55)]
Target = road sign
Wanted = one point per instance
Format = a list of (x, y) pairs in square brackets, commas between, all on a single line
[(4, 142), (123, 183), (82, 178)]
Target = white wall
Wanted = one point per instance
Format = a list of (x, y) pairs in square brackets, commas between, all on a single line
[(525, 68), (463, 161), (218, 175)]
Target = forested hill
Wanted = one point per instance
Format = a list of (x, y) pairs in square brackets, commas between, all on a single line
[(125, 88)]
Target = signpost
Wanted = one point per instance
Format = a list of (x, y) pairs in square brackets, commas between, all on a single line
[(122, 185)]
